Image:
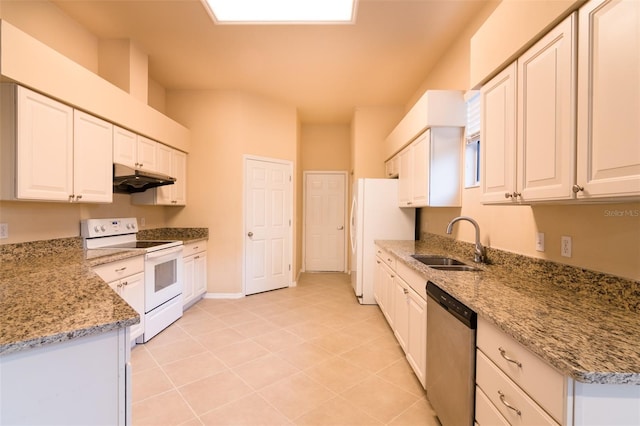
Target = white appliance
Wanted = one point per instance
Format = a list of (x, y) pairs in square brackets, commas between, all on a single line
[(375, 215), (163, 268)]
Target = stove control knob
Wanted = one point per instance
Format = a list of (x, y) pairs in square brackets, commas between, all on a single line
[(96, 228), (102, 228)]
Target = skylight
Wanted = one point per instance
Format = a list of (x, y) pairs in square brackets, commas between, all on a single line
[(282, 11)]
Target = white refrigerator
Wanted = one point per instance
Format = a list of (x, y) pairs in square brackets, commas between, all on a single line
[(375, 215)]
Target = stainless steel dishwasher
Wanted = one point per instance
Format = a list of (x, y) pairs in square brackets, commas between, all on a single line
[(451, 356)]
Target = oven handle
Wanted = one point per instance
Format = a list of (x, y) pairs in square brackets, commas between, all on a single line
[(164, 252)]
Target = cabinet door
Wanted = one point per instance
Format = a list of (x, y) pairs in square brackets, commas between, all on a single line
[(420, 170), (44, 148), (93, 159), (132, 291), (175, 195), (546, 116), (125, 147), (417, 337), (498, 152), (378, 278), (387, 295), (164, 154), (200, 274), (179, 171), (609, 99), (147, 154), (401, 305), (405, 179), (188, 280)]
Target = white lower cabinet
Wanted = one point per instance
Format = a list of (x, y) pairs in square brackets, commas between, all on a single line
[(195, 273), (399, 299), (85, 381), (516, 386), (126, 277)]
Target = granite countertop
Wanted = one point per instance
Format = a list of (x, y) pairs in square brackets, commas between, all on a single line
[(583, 323), (49, 294)]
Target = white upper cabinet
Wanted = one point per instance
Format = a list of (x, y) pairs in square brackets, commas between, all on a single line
[(92, 159), (498, 130), (43, 147), (125, 147), (546, 116), (175, 194), (527, 123), (429, 169), (51, 152), (609, 100), (168, 195), (147, 154)]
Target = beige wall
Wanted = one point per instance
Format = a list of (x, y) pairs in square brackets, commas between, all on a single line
[(602, 240), (325, 147), (369, 127), (224, 127), (46, 22)]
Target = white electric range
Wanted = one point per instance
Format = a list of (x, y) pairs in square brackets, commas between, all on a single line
[(163, 268)]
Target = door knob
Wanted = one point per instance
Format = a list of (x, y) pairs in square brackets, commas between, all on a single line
[(340, 228), (250, 234)]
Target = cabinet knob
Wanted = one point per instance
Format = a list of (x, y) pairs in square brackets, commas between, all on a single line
[(577, 188), (517, 194), (250, 234), (78, 197), (71, 198), (508, 195)]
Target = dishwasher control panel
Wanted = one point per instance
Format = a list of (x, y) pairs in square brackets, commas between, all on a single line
[(453, 305)]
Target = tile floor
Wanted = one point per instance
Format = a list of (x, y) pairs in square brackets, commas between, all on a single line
[(306, 355)]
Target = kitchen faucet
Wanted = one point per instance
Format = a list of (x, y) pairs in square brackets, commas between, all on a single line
[(480, 252)]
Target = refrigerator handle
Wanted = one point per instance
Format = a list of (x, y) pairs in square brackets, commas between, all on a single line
[(352, 227)]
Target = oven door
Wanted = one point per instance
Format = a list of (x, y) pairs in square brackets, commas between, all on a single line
[(163, 272)]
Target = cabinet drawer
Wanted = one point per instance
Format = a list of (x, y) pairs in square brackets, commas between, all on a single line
[(193, 248), (507, 397), (386, 257), (543, 383), (417, 282), (486, 413), (122, 268)]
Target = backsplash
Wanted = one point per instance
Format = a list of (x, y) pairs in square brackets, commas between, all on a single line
[(609, 287), (173, 233)]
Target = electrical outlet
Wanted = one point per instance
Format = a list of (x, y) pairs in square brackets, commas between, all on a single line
[(540, 241), (565, 246), (142, 221), (4, 230)]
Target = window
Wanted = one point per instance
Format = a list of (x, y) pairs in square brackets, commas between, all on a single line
[(472, 140), (282, 11)]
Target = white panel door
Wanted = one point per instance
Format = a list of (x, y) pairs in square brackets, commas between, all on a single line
[(325, 221), (268, 225), (609, 99)]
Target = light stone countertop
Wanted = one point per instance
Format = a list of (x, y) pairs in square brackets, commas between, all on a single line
[(49, 294), (583, 323)]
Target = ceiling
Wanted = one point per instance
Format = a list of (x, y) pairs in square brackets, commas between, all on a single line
[(323, 70)]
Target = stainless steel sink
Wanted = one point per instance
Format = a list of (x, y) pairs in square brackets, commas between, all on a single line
[(443, 263), (466, 268), (430, 260)]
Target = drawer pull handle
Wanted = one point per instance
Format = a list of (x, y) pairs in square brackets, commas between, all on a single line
[(506, 404), (503, 353), (121, 269)]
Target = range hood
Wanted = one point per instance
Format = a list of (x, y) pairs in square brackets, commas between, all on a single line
[(127, 180)]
